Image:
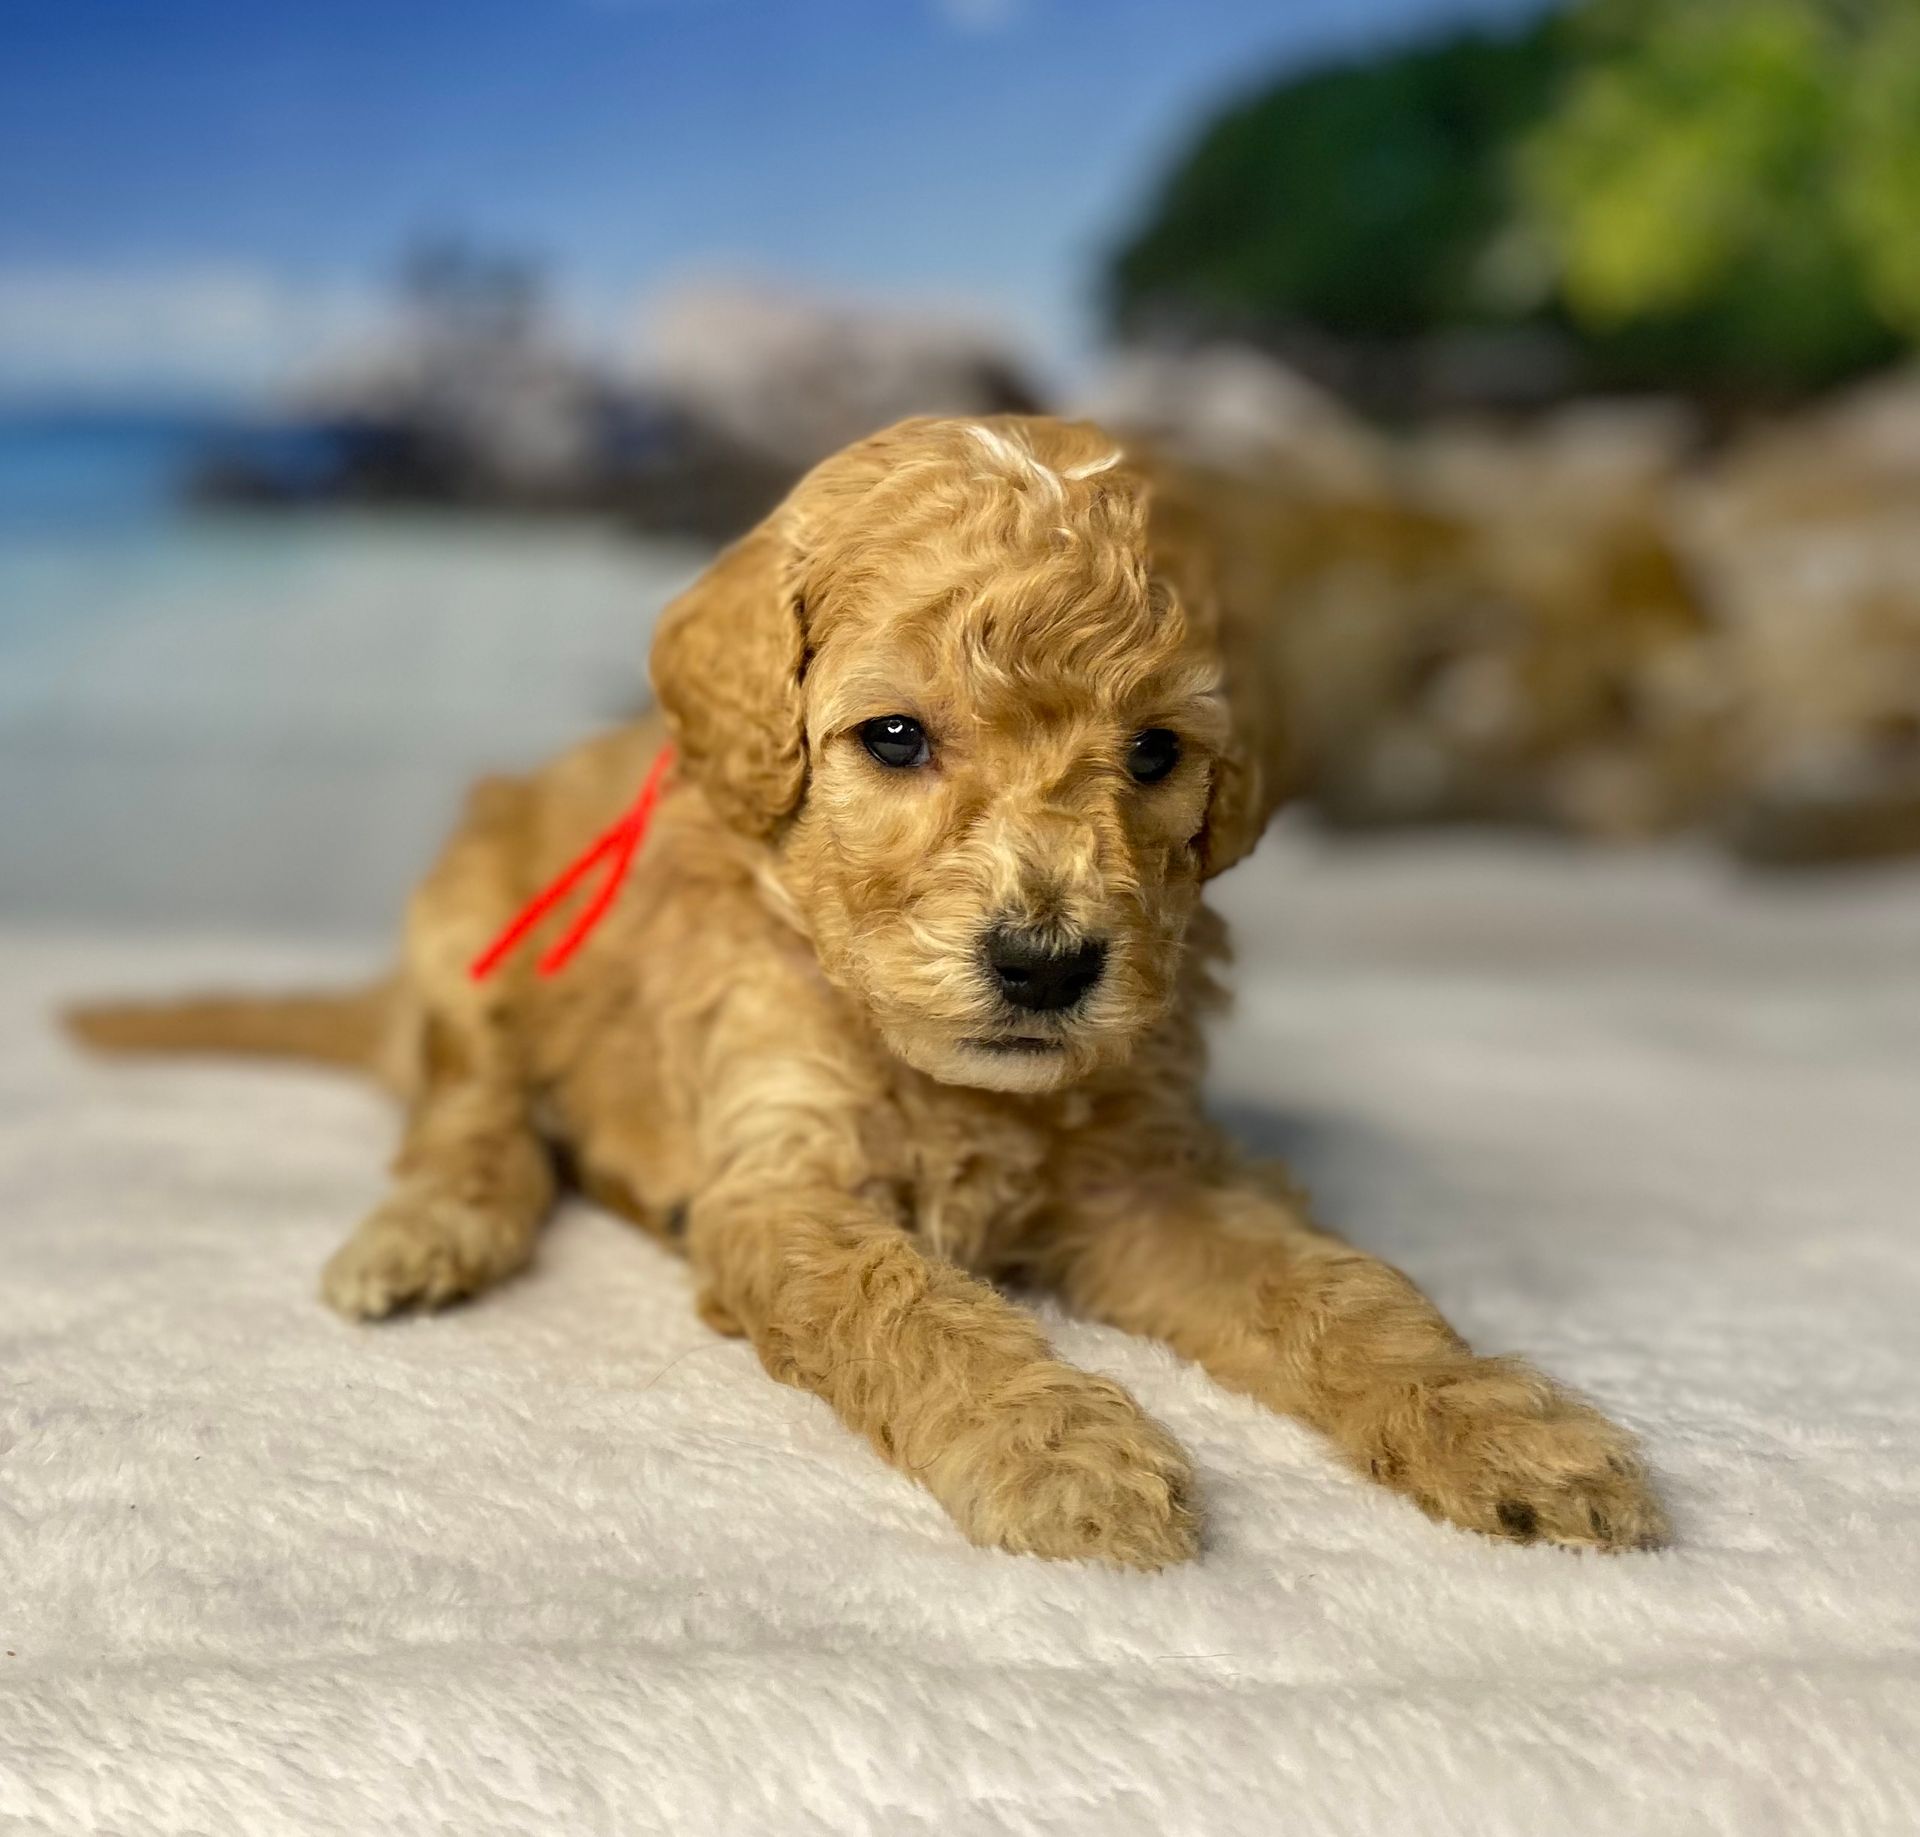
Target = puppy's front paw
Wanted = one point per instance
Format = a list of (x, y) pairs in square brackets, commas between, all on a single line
[(1067, 1465), (419, 1250), (1501, 1450)]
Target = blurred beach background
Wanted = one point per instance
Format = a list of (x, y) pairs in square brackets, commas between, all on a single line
[(370, 375)]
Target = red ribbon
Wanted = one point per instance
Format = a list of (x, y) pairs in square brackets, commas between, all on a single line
[(617, 846)]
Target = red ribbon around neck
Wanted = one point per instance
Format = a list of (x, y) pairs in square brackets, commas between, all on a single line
[(617, 847)]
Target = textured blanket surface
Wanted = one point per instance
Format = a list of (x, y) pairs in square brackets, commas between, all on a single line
[(563, 1561)]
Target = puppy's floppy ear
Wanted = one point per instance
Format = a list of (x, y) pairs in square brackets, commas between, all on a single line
[(1253, 771), (726, 667), (1237, 809)]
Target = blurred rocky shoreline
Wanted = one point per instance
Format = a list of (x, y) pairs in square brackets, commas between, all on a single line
[(1598, 621), (1603, 619), (473, 400)]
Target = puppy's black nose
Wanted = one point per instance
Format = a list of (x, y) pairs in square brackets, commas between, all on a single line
[(1042, 976)]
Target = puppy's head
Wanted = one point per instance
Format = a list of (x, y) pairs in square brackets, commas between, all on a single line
[(987, 737)]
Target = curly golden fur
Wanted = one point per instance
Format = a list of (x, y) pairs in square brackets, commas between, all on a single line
[(787, 1050)]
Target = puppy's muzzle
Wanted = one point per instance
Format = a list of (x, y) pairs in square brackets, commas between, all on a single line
[(1042, 975)]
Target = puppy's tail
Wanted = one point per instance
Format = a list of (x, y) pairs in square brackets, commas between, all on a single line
[(349, 1028)]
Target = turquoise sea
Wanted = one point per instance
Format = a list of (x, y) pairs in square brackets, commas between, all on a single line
[(237, 719), (69, 468)]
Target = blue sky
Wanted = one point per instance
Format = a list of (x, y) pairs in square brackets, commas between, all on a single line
[(196, 191)]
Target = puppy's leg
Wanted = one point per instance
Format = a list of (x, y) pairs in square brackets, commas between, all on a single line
[(471, 1186), (948, 1380), (1232, 1277), (473, 1181)]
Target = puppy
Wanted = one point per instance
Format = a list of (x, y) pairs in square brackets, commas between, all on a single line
[(903, 995)]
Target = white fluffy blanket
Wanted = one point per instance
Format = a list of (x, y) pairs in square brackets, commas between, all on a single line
[(563, 1562)]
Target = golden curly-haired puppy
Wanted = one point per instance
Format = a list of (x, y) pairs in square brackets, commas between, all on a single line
[(903, 995)]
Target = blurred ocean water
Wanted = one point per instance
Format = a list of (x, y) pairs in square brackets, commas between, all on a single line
[(105, 469), (247, 719)]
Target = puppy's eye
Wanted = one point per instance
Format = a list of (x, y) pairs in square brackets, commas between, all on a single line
[(896, 740), (1153, 754)]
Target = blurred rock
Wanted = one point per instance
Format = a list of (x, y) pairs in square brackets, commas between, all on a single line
[(1484, 626), (473, 375), (792, 379), (1588, 621), (1806, 541), (472, 398), (1589, 461), (467, 396), (1232, 407)]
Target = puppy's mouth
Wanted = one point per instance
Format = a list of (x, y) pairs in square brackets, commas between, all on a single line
[(1030, 1061), (1015, 1045)]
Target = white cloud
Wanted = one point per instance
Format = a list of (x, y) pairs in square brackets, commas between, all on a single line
[(204, 329)]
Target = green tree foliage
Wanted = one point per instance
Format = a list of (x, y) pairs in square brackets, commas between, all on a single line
[(1879, 182), (1359, 200), (1711, 187), (1721, 193)]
